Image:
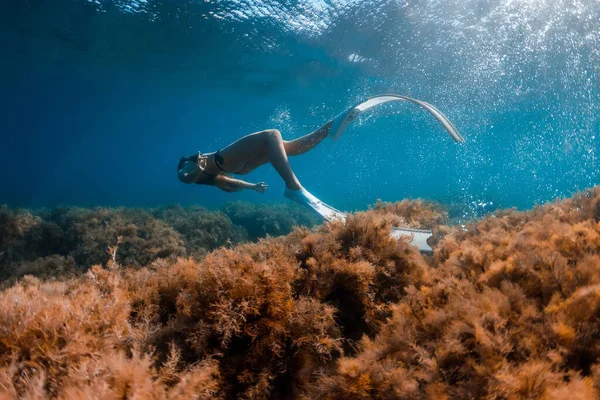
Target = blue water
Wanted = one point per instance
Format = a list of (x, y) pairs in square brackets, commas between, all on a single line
[(99, 99)]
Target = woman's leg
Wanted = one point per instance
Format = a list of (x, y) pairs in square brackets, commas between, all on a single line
[(278, 157), (308, 142), (254, 149), (292, 147)]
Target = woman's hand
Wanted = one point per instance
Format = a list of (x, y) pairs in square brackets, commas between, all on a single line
[(260, 187), (200, 161)]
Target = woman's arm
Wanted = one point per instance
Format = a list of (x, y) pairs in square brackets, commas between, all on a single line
[(235, 185)]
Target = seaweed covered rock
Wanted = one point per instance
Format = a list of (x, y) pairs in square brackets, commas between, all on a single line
[(274, 220), (202, 230), (53, 241), (84, 234), (29, 245), (73, 340), (255, 321), (418, 213), (276, 310), (511, 311), (506, 308), (50, 267), (87, 234), (358, 267), (15, 227)]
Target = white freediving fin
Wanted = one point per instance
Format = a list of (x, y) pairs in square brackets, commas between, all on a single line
[(329, 213), (419, 237), (305, 198), (341, 122)]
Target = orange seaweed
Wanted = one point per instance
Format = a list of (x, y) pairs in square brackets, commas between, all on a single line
[(507, 308)]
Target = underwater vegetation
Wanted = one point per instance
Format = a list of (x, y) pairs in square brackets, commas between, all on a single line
[(67, 240), (507, 307), (275, 220)]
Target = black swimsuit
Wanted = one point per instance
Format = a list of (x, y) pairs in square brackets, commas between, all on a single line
[(219, 162)]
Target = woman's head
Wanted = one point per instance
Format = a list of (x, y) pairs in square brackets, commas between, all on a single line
[(190, 168)]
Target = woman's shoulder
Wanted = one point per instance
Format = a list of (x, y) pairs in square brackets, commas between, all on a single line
[(206, 178)]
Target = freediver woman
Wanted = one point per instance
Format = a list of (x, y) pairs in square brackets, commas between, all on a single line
[(248, 153), (252, 151)]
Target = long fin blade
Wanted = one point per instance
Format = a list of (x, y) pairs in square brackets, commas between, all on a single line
[(445, 121)]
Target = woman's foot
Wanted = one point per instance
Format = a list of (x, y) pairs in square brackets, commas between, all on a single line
[(341, 122), (305, 198), (301, 196)]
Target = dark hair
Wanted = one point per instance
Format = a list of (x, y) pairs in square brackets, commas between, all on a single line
[(182, 161)]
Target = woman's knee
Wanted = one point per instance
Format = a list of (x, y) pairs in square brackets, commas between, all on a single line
[(272, 135), (291, 149)]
